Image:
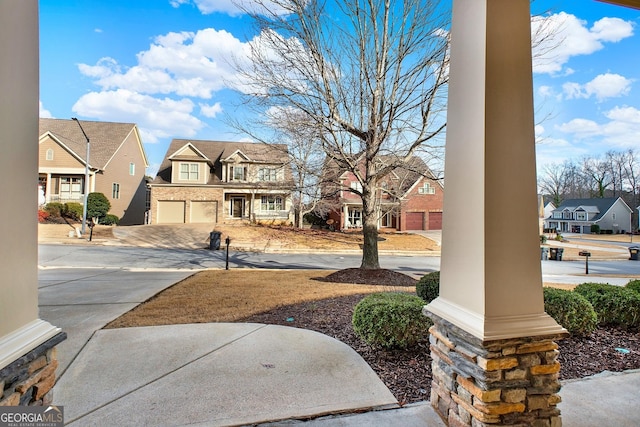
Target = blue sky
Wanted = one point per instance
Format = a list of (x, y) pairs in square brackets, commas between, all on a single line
[(164, 65)]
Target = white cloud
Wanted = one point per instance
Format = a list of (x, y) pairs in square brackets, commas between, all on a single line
[(210, 111), (560, 36), (156, 118), (186, 64), (230, 7), (44, 113), (621, 131), (602, 87)]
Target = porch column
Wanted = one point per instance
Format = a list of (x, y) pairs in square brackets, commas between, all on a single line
[(493, 350), (346, 217), (27, 359), (47, 191)]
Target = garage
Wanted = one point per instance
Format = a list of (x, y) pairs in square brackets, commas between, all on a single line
[(415, 221), (435, 221), (203, 211), (171, 212)]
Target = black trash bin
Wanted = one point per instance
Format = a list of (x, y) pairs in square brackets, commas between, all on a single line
[(214, 240), (543, 253), (555, 254), (633, 253)]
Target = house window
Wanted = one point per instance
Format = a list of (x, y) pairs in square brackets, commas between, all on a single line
[(189, 172), (355, 218), (426, 189), (581, 216), (115, 190), (132, 169), (70, 188), (356, 186), (50, 154), (267, 174), (566, 214), (557, 215), (237, 173), (271, 203)]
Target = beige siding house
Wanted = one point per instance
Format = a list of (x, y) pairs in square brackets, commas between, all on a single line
[(117, 165), (214, 181)]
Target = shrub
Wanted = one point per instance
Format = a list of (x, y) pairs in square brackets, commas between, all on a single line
[(97, 205), (72, 210), (42, 216), (428, 287), (391, 320), (543, 239), (613, 304), (634, 285), (54, 209), (571, 310), (595, 228), (110, 219)]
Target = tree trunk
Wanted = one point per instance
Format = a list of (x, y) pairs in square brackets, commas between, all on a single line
[(369, 231)]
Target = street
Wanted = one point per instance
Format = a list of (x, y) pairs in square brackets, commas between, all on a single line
[(150, 259)]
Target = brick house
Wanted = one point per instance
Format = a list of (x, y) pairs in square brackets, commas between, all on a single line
[(216, 181), (411, 198), (117, 165)]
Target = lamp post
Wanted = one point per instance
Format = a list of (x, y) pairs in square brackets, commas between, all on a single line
[(86, 178)]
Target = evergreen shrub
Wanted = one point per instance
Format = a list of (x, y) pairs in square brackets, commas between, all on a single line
[(428, 287), (54, 209), (614, 305), (110, 219), (571, 310), (634, 285), (72, 210), (391, 320)]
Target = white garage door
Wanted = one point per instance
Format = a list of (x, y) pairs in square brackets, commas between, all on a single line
[(204, 211), (171, 212)]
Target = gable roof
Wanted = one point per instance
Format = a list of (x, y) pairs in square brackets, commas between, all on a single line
[(105, 138), (217, 151), (407, 174), (599, 206)]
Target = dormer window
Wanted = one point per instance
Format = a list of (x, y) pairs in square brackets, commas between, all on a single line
[(50, 154), (237, 173), (189, 172)]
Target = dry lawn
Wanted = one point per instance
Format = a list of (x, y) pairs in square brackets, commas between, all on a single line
[(230, 295)]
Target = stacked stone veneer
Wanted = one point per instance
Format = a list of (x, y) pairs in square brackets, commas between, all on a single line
[(28, 380), (511, 382)]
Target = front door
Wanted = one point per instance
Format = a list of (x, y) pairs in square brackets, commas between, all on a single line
[(237, 207)]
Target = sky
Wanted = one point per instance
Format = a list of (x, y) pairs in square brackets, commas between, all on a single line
[(166, 66)]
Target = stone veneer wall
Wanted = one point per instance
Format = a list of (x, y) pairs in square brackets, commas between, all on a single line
[(29, 379), (511, 382)]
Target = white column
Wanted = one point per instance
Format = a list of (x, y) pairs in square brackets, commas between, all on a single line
[(491, 280), (20, 328)]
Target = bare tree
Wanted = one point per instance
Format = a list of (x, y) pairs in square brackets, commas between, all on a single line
[(369, 75), (554, 181), (598, 176)]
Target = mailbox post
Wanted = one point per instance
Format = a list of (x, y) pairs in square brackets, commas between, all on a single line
[(586, 256), (227, 241)]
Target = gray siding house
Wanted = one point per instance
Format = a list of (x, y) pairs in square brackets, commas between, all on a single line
[(578, 215)]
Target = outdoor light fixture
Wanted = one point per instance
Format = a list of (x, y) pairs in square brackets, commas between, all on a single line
[(86, 178)]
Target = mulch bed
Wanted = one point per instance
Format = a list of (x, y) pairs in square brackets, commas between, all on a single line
[(407, 373)]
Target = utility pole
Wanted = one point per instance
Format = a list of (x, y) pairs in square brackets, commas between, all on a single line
[(86, 178)]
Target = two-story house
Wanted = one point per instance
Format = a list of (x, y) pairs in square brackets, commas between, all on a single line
[(578, 215), (215, 181), (410, 197), (117, 165)]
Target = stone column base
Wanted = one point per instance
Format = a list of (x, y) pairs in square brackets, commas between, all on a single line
[(511, 382), (29, 379)]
